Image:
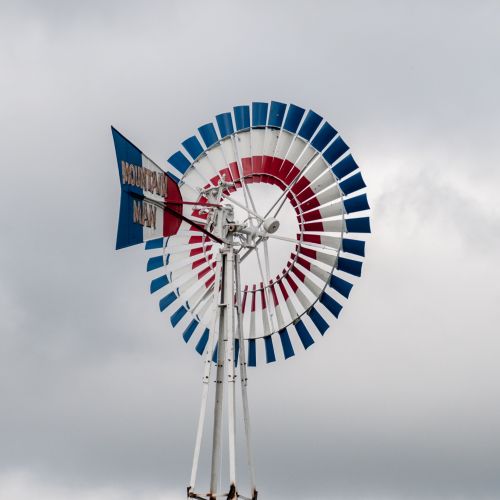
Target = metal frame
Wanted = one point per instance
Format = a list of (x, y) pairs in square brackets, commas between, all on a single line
[(287, 143), (227, 322)]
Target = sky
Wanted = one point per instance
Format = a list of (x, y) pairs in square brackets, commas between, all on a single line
[(99, 397)]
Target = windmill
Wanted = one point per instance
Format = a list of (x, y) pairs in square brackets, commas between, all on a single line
[(204, 222)]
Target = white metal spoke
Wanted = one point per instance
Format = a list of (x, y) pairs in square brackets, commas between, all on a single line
[(266, 260), (204, 296), (270, 303), (265, 284), (297, 242), (250, 196), (250, 250), (283, 238)]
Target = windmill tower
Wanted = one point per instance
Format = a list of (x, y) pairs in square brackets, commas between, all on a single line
[(205, 222)]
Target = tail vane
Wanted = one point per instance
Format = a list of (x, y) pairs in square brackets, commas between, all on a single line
[(146, 191)]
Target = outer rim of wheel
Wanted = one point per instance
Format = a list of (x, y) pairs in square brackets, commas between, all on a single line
[(301, 243)]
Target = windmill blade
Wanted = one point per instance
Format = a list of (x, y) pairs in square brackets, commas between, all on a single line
[(320, 241), (252, 353), (257, 136), (269, 347), (286, 344), (304, 301), (277, 306), (189, 330), (272, 134), (319, 272), (308, 282), (304, 334), (287, 299), (264, 310), (319, 322)]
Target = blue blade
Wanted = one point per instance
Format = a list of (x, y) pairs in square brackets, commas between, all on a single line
[(155, 263), (188, 332), (336, 149), (179, 161), (154, 244), (286, 344), (236, 351), (356, 204), (331, 304), (304, 335), (208, 134), (268, 343), (293, 118), (323, 137), (359, 225), (344, 167), (311, 123), (355, 247), (242, 117), (202, 343), (276, 114), (215, 355), (352, 184), (193, 147), (225, 124), (178, 315), (158, 283), (167, 300), (259, 114), (349, 266), (175, 178), (252, 353), (318, 320), (341, 286)]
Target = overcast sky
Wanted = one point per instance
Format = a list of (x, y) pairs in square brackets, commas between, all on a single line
[(401, 399)]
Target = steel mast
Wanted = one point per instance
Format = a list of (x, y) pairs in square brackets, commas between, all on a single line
[(227, 349)]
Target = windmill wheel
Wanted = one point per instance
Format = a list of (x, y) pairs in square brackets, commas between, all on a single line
[(292, 178)]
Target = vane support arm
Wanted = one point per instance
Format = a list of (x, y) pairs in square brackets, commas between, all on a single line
[(194, 224), (165, 206)]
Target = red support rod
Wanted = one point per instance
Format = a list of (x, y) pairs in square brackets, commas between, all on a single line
[(192, 203), (194, 224), (171, 211)]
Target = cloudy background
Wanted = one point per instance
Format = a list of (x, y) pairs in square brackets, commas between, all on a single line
[(99, 398)]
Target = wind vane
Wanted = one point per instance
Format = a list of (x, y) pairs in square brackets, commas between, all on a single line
[(189, 221)]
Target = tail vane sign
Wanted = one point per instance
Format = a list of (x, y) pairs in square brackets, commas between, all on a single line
[(145, 191)]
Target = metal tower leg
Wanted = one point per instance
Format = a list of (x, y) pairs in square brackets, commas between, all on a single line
[(219, 386), (231, 376), (244, 379), (227, 326), (209, 350)]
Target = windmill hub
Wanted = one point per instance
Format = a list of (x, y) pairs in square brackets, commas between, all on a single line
[(271, 225)]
